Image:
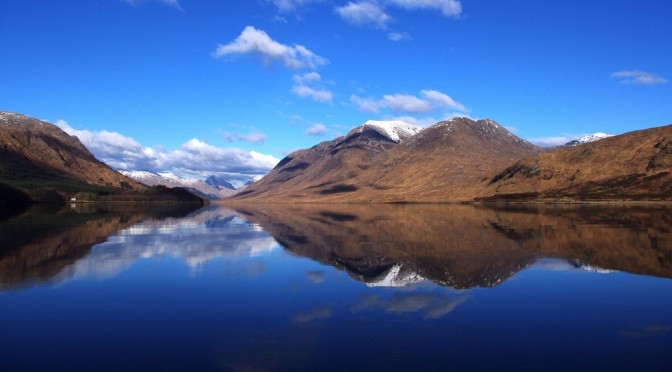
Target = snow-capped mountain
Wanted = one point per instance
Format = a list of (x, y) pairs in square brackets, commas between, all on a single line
[(219, 182), (395, 130), (396, 276), (589, 138), (196, 186)]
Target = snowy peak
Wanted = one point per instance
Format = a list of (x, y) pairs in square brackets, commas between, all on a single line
[(396, 131), (589, 138), (396, 276), (219, 182)]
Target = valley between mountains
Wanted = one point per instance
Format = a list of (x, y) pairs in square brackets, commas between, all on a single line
[(457, 160)]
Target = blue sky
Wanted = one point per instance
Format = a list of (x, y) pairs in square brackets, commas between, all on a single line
[(230, 87)]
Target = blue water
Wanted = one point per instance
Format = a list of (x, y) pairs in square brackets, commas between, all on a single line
[(214, 290)]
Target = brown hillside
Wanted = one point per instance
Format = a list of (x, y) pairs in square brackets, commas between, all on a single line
[(447, 162), (632, 166), (32, 146)]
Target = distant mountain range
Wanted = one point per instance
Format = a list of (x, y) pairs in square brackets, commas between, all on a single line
[(466, 160), (212, 188)]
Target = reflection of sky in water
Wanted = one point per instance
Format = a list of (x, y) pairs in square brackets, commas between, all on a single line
[(249, 308), (207, 235)]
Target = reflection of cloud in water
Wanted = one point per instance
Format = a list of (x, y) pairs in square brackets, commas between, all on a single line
[(323, 312), (550, 264), (648, 330), (316, 276), (210, 234), (433, 305)]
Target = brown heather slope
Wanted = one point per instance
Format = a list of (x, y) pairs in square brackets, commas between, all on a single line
[(449, 161), (632, 166), (41, 163), (322, 171), (29, 145)]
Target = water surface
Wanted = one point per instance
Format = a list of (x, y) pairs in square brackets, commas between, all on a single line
[(336, 287)]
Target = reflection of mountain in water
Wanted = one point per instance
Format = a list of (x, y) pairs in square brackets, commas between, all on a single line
[(464, 246), (58, 245), (40, 242)]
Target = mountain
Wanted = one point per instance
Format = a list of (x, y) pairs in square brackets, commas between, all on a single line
[(40, 162), (395, 162), (321, 170), (589, 138), (198, 187), (631, 166), (219, 182), (31, 146)]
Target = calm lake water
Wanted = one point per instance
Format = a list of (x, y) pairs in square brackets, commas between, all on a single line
[(314, 288)]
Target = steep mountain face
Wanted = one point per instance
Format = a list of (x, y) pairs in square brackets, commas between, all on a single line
[(200, 188), (632, 166), (446, 162), (589, 138), (219, 182), (323, 169), (32, 147)]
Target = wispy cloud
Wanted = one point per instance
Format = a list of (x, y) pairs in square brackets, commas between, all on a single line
[(259, 43), (431, 305), (449, 8), (315, 314), (255, 138), (316, 276), (316, 129), (398, 36), (427, 101), (364, 13), (304, 86), (288, 6), (638, 77), (193, 158), (173, 3)]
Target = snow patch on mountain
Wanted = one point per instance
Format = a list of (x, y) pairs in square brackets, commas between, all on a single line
[(396, 277), (196, 186), (395, 130), (589, 138)]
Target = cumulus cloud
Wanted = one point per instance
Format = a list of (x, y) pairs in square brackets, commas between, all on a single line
[(173, 3), (316, 130), (259, 43), (287, 6), (638, 77), (195, 158), (302, 87), (364, 13), (428, 101), (449, 8)]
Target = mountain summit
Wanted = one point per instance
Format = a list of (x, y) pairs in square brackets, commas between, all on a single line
[(395, 161)]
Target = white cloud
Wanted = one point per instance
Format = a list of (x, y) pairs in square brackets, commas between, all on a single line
[(303, 89), (398, 36), (638, 77), (194, 158), (428, 101), (318, 95), (249, 138), (368, 105), (173, 3), (364, 13), (257, 42), (316, 130), (449, 8), (287, 6)]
